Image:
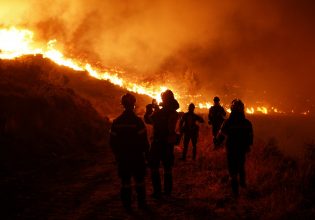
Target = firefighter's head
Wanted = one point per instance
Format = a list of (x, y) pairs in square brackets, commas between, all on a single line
[(216, 100), (167, 96), (168, 100), (128, 101), (237, 106), (191, 107)]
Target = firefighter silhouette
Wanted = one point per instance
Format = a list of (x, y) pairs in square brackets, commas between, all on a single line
[(164, 138), (190, 130), (128, 140), (239, 137), (216, 117)]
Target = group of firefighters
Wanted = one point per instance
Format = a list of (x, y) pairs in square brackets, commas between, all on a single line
[(130, 145)]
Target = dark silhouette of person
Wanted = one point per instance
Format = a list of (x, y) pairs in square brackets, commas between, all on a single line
[(129, 143), (164, 122), (190, 130), (216, 117), (239, 137)]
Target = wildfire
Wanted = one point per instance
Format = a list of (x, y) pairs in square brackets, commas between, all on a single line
[(17, 42)]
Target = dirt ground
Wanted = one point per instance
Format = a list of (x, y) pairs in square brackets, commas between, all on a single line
[(88, 188)]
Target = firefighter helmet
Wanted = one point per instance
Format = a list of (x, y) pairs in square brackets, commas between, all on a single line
[(191, 107), (216, 99), (237, 106), (167, 96)]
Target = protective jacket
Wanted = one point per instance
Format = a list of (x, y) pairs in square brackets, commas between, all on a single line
[(164, 122), (188, 123), (128, 137), (239, 133), (216, 115)]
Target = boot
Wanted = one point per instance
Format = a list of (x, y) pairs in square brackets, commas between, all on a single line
[(156, 182), (234, 185), (194, 152), (141, 196), (125, 195), (168, 182), (184, 153), (243, 178)]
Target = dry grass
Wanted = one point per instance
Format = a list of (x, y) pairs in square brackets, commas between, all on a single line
[(279, 186)]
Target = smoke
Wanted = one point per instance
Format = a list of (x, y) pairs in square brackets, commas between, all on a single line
[(257, 50)]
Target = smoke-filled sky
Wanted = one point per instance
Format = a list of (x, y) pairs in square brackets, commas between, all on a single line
[(257, 50)]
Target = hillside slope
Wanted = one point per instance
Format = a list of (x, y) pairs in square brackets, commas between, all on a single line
[(41, 120), (55, 162)]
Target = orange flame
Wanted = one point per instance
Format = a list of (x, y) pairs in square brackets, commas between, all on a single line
[(17, 42)]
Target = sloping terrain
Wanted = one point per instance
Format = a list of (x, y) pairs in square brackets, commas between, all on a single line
[(45, 127), (103, 96), (55, 162), (42, 119)]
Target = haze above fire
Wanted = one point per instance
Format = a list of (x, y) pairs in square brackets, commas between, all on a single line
[(256, 50)]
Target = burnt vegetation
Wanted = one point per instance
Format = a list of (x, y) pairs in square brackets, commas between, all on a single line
[(55, 162)]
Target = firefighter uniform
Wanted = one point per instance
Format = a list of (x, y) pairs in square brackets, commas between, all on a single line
[(216, 117), (162, 147), (190, 130), (128, 140), (239, 137)]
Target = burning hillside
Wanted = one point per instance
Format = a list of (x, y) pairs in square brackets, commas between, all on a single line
[(41, 120), (19, 42), (64, 66), (53, 121), (55, 163), (262, 53)]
